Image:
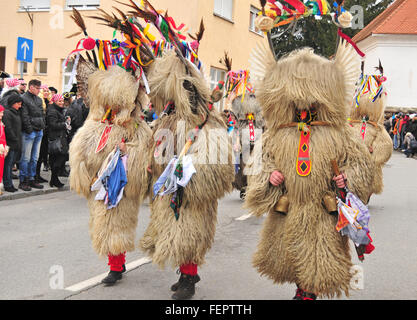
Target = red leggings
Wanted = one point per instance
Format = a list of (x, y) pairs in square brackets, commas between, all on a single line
[(190, 269), (116, 262)]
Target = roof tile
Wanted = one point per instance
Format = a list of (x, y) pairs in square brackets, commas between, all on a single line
[(399, 18)]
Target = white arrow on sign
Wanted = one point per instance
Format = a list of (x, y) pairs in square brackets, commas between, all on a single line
[(25, 47)]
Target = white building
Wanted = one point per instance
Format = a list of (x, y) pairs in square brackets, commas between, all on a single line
[(392, 38)]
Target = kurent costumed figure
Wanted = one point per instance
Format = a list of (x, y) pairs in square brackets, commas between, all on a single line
[(183, 222), (367, 119), (250, 123), (244, 116), (107, 155), (305, 100)]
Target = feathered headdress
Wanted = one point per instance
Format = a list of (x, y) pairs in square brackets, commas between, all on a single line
[(237, 81), (275, 14), (132, 53), (172, 35), (370, 85)]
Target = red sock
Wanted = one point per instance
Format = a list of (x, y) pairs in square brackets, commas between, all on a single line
[(190, 269), (116, 262)]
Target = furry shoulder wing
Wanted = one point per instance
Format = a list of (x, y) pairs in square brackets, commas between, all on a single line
[(260, 61), (349, 62), (84, 70)]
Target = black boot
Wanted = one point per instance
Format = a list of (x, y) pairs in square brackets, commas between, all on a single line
[(175, 286), (54, 180), (308, 296), (39, 179), (10, 189), (113, 276), (63, 173), (186, 287), (298, 294)]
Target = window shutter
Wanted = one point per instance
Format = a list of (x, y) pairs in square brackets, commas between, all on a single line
[(228, 9), (35, 4), (83, 3)]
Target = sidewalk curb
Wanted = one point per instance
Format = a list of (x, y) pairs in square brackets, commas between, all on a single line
[(25, 194)]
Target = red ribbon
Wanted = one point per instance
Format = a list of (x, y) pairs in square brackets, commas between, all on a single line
[(299, 6), (340, 33)]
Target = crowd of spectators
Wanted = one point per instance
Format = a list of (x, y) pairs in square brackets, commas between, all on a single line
[(402, 128), (36, 126)]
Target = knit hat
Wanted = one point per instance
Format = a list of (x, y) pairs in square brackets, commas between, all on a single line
[(1, 108), (57, 97), (12, 82)]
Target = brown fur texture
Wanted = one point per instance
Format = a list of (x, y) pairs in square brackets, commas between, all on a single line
[(377, 138), (303, 246), (112, 231), (167, 240)]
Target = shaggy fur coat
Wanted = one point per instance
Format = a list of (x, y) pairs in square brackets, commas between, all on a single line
[(166, 240), (241, 109), (112, 231), (303, 246), (377, 139)]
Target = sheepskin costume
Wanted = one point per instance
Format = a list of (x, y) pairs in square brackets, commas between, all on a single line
[(250, 123), (375, 137), (185, 241), (113, 230), (303, 246)]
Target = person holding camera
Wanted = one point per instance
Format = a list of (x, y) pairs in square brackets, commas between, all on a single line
[(58, 127)]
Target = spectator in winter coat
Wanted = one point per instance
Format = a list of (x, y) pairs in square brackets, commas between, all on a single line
[(12, 87), (412, 126), (410, 145), (22, 86), (78, 112), (387, 124), (33, 124), (13, 130), (403, 130), (3, 144), (396, 129), (57, 130), (45, 95)]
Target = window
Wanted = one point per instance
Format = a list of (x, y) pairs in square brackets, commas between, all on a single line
[(35, 5), (217, 75), (2, 58), (224, 9), (66, 77), (82, 4), (41, 66), (252, 17)]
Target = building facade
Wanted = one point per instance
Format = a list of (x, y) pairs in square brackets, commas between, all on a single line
[(392, 38), (229, 26)]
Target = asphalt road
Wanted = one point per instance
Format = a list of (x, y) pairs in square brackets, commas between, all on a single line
[(46, 251)]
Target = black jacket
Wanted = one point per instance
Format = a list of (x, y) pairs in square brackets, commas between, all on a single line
[(78, 113), (56, 122), (13, 128), (412, 127), (32, 113)]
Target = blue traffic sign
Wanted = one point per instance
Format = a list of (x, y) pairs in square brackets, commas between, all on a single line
[(24, 49)]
